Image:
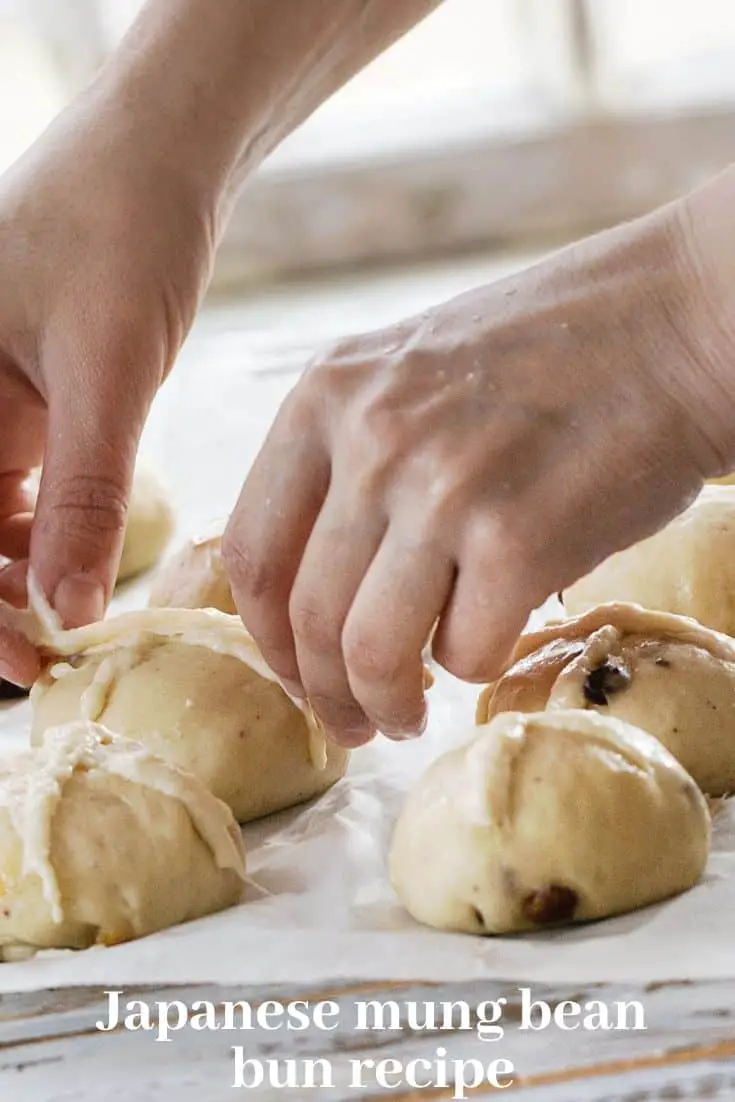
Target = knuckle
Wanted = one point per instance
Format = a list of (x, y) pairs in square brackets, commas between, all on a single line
[(339, 711), (371, 660), (313, 626), (463, 664), (91, 505), (252, 575), (500, 545)]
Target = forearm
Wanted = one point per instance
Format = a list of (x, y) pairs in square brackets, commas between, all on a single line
[(224, 81)]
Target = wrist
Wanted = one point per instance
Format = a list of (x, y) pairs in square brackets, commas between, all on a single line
[(705, 260)]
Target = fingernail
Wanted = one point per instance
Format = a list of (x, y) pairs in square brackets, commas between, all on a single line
[(79, 600), (13, 584), (411, 733)]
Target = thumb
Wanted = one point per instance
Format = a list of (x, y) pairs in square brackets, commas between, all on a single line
[(79, 524)]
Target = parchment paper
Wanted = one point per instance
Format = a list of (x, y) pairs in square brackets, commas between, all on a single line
[(319, 907)]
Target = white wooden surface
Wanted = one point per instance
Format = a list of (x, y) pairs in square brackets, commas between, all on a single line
[(50, 1050)]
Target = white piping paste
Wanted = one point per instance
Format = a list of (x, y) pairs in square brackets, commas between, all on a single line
[(628, 619), (32, 796), (568, 689), (600, 632), (207, 627)]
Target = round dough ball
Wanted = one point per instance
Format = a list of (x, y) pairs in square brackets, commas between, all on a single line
[(557, 817), (181, 681), (687, 568), (663, 673), (100, 843), (150, 525), (194, 578)]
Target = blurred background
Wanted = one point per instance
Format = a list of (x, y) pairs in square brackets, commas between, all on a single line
[(493, 132), (496, 124)]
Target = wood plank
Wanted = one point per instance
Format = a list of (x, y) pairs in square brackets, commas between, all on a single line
[(50, 1048)]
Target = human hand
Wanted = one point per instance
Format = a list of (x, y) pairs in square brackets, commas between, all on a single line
[(456, 469), (105, 249)]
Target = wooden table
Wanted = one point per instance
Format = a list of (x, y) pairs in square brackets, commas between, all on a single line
[(51, 1051)]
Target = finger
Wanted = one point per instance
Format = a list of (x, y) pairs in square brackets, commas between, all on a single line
[(19, 661), (498, 585), (339, 552), (95, 420), (17, 501), (265, 539), (15, 535), (391, 619), (14, 584), (17, 493)]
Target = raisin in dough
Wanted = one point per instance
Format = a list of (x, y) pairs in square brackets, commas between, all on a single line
[(557, 817), (195, 577), (191, 685), (101, 842), (664, 673), (687, 568)]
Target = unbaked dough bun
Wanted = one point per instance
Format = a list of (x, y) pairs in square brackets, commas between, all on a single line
[(150, 525), (101, 842), (191, 685), (687, 568), (195, 577), (664, 673), (543, 819)]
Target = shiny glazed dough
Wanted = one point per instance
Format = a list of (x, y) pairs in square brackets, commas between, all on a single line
[(195, 577), (663, 673), (192, 687), (543, 819), (101, 842), (687, 568)]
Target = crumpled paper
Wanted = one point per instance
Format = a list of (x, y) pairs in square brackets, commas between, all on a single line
[(319, 907)]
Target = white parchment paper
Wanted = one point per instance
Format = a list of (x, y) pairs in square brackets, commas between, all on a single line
[(319, 907)]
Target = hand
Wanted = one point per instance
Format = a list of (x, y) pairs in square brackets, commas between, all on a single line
[(456, 469), (105, 249)]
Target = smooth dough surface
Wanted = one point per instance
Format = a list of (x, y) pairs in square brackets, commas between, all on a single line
[(191, 686), (551, 818), (664, 673), (195, 577), (150, 525), (101, 842), (687, 568)]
